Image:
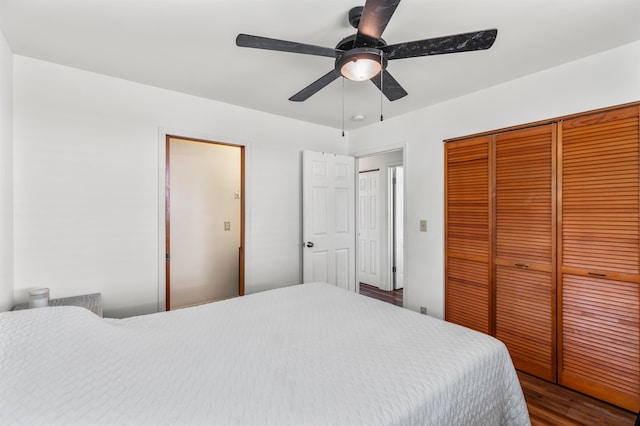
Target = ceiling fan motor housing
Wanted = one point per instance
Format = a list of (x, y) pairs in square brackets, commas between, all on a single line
[(353, 40), (354, 16)]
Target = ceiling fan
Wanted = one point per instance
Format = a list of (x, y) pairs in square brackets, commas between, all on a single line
[(364, 55)]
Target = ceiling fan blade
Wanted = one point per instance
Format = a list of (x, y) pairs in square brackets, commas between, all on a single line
[(257, 42), (375, 17), (477, 40), (391, 88), (314, 87)]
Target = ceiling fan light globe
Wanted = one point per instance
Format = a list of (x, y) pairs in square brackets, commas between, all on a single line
[(360, 64), (360, 69)]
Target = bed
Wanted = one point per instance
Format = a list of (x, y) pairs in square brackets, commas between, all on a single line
[(310, 354)]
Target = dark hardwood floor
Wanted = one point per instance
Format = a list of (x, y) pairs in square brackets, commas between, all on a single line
[(551, 404), (548, 404), (393, 297)]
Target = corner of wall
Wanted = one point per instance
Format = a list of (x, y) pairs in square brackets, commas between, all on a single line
[(6, 175)]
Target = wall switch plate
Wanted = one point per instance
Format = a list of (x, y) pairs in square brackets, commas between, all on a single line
[(423, 225), (423, 310), (227, 226)]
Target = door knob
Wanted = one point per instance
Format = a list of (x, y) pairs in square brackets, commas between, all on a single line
[(309, 244)]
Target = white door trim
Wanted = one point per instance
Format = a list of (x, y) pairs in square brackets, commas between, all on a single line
[(391, 188)]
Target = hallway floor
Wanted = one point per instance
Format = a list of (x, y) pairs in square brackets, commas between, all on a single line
[(394, 297)]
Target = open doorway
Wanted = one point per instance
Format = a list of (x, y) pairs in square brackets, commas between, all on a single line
[(380, 230), (204, 221)]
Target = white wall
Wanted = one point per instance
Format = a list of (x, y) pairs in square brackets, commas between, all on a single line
[(602, 80), (87, 185), (6, 175)]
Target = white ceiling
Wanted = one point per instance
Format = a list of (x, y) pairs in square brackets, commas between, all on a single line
[(189, 46)]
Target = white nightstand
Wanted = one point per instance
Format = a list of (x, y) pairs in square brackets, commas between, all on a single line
[(93, 302)]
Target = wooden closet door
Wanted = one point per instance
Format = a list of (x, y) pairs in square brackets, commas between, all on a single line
[(599, 257), (467, 234), (525, 236)]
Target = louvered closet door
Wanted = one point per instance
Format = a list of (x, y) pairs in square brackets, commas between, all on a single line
[(525, 247), (599, 257), (467, 227)]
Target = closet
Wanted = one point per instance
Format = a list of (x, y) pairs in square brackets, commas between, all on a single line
[(542, 247)]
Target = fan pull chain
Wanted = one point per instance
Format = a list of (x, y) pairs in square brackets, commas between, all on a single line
[(343, 107), (381, 86)]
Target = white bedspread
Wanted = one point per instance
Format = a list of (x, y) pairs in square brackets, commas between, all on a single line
[(310, 354)]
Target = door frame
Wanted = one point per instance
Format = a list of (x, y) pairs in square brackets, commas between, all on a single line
[(164, 135), (383, 150), (392, 222)]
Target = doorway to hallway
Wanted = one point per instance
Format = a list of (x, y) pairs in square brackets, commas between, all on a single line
[(380, 225)]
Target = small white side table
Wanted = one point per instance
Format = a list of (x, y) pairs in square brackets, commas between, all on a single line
[(93, 302)]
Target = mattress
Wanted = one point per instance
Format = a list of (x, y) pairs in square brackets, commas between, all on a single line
[(310, 354)]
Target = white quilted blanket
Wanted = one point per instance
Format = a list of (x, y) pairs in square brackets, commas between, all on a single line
[(310, 354)]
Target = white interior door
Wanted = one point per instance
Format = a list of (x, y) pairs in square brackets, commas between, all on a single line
[(328, 219), (369, 232)]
